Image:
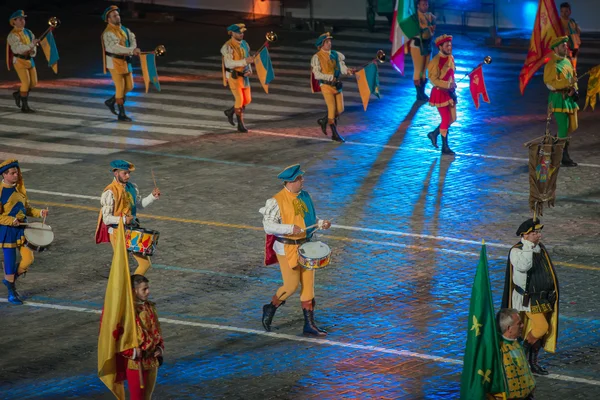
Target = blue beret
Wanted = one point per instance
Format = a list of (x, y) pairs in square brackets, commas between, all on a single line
[(108, 10), (8, 164), (121, 164), (290, 173), (322, 38), (17, 14), (237, 28)]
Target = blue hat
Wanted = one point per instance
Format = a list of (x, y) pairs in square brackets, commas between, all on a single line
[(108, 11), (290, 173), (8, 164), (17, 14), (237, 28), (121, 164), (322, 38)]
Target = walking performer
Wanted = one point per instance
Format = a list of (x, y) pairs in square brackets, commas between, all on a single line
[(443, 95), (20, 51), (531, 287), (327, 67), (571, 28), (560, 78), (286, 217), (237, 68), (420, 48), (121, 199), (118, 47), (14, 210)]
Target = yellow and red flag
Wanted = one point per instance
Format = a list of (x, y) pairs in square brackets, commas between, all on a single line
[(593, 88), (477, 86), (118, 330)]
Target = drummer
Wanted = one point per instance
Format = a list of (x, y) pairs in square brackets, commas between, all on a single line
[(121, 199), (14, 210), (286, 217)]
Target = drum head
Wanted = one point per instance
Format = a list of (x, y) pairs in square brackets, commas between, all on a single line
[(314, 250), (39, 234)]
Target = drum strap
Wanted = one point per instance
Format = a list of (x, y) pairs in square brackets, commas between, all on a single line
[(292, 241)]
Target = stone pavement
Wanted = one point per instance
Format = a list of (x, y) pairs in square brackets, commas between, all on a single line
[(407, 229)]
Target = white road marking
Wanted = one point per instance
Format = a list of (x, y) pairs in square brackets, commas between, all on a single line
[(27, 159), (57, 147)]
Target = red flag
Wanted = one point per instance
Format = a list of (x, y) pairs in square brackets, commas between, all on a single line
[(477, 86), (546, 28)]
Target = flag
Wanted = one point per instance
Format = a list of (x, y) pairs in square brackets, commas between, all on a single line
[(593, 88), (546, 28), (477, 86), (544, 163), (483, 370), (397, 36), (50, 51), (118, 330), (368, 83), (264, 68), (149, 72)]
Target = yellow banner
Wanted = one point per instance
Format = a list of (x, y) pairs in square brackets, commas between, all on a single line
[(593, 88)]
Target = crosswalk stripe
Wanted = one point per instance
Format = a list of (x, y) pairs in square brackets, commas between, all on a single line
[(87, 137), (27, 159), (56, 147)]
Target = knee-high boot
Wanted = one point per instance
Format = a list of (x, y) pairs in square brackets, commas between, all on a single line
[(334, 132), (445, 148), (423, 86), (122, 116), (17, 96), (566, 159), (310, 327), (533, 353), (433, 135), (13, 295), (239, 114), (110, 103), (269, 312), (323, 124), (25, 105), (229, 114)]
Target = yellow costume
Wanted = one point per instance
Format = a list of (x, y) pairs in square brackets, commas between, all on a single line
[(20, 51)]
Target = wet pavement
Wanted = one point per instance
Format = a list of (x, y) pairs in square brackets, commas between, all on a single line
[(408, 225)]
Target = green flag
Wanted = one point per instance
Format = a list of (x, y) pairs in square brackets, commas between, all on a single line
[(483, 371)]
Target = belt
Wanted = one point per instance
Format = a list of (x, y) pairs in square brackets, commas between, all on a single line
[(520, 290), (291, 241), (21, 56), (119, 56)]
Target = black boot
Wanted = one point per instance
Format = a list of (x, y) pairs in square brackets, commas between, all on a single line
[(566, 159), (110, 103), (423, 86), (25, 105), (310, 327), (445, 148), (122, 116), (239, 114), (17, 97), (534, 351), (13, 296), (335, 135), (433, 135), (229, 114), (269, 312), (323, 123)]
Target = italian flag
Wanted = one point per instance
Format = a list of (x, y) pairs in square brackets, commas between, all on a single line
[(397, 37)]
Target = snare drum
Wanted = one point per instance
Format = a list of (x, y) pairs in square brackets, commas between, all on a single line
[(314, 255), (141, 241), (38, 236)]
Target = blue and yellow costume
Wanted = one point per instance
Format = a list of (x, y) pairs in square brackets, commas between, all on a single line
[(20, 51), (14, 205)]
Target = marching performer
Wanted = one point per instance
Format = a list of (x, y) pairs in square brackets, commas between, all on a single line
[(121, 199), (285, 219), (571, 28), (14, 210), (420, 48), (327, 67), (237, 69), (443, 96), (149, 356), (531, 287), (118, 46), (20, 51), (560, 78)]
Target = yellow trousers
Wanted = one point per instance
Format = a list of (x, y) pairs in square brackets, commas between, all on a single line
[(28, 78), (539, 324), (144, 262), (419, 63), (242, 95), (292, 277), (334, 101), (123, 84)]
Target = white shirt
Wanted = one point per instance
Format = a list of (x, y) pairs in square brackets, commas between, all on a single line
[(522, 261), (316, 67), (230, 63), (18, 47), (107, 201), (111, 45)]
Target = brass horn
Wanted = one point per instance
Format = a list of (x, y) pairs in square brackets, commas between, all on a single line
[(271, 36), (487, 60), (54, 22), (380, 56), (160, 50)]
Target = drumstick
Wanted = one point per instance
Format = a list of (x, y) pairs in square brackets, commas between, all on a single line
[(153, 178), (45, 216)]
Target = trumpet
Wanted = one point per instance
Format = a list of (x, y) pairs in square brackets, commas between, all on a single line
[(159, 51), (486, 60), (271, 37), (379, 57), (53, 23)]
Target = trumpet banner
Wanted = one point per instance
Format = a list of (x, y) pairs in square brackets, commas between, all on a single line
[(149, 72), (593, 88), (48, 45), (477, 86), (264, 68), (544, 163), (368, 83)]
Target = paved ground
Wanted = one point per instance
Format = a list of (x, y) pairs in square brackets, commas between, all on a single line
[(408, 225)]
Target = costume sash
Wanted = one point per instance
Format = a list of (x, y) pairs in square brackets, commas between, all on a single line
[(125, 204), (330, 63), (123, 34), (241, 50), (26, 37)]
